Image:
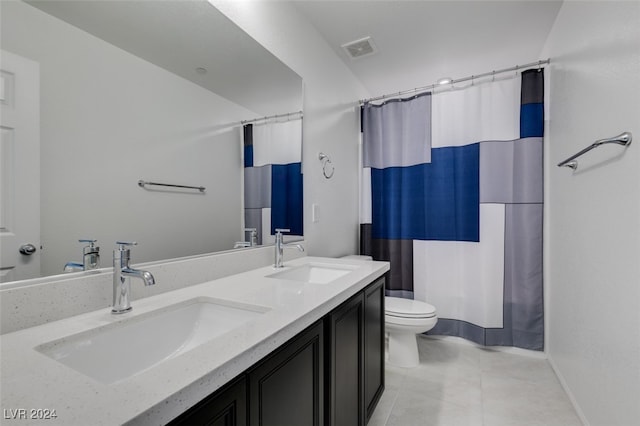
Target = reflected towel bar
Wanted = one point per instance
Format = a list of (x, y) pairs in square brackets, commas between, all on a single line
[(623, 139), (142, 184)]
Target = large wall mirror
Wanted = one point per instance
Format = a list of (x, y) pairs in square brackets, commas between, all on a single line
[(122, 91)]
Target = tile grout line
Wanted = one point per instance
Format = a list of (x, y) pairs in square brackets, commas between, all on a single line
[(386, 420), (395, 398)]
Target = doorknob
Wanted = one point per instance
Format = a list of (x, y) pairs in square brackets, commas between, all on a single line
[(27, 249)]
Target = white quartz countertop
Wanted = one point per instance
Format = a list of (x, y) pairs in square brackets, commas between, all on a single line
[(31, 380)]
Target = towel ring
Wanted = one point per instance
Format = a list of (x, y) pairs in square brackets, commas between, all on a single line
[(327, 165)]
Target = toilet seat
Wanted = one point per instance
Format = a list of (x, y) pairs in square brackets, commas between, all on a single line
[(409, 325), (406, 308)]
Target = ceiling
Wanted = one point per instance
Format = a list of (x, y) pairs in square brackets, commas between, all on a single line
[(419, 42), (192, 39)]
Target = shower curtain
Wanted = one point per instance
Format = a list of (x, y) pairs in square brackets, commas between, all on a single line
[(452, 195), (273, 178)]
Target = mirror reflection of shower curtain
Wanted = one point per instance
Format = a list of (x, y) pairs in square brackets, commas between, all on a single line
[(273, 178), (461, 225)]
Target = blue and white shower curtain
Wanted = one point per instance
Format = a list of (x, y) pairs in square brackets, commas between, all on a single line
[(452, 196), (273, 178)]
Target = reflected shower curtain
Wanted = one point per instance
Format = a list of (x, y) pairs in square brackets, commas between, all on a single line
[(273, 178), (452, 195)]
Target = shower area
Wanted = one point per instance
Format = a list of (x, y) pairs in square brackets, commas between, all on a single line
[(452, 195)]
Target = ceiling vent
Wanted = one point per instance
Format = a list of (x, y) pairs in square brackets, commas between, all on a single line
[(360, 48)]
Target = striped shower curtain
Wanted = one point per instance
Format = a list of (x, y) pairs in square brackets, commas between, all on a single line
[(273, 178), (452, 193)]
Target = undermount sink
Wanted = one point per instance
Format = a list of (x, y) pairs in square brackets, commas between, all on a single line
[(118, 351), (316, 273)]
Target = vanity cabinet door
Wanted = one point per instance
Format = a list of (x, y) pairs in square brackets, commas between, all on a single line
[(345, 340), (373, 345), (227, 407), (355, 350), (287, 388)]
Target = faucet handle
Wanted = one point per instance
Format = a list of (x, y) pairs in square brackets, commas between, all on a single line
[(279, 235), (91, 248), (123, 244)]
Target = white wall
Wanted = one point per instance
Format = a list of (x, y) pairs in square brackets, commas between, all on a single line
[(109, 119), (593, 268), (330, 118), (593, 217)]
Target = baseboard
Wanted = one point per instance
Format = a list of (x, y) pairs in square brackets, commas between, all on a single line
[(567, 390)]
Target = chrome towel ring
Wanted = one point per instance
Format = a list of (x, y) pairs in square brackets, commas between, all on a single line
[(327, 165)]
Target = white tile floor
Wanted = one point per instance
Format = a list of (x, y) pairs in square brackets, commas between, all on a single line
[(458, 384)]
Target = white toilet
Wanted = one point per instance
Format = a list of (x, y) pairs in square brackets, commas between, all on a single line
[(404, 320)]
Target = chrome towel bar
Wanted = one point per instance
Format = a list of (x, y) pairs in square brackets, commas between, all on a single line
[(623, 139), (142, 184)]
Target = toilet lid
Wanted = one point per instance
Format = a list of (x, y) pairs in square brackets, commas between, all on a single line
[(407, 308)]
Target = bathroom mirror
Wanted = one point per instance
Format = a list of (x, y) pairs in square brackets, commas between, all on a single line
[(140, 90)]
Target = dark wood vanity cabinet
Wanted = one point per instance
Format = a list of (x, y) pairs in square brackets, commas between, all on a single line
[(373, 345), (284, 389), (287, 388), (355, 349), (345, 375), (225, 407), (330, 374)]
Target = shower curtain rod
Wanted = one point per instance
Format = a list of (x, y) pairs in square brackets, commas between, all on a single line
[(269, 117), (458, 80)]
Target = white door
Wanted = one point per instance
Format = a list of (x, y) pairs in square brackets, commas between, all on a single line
[(19, 168)]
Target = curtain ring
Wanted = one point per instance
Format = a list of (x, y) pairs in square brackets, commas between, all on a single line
[(327, 166)]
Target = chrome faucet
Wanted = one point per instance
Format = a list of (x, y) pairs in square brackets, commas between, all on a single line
[(121, 274), (90, 258), (251, 242), (253, 236), (280, 246)]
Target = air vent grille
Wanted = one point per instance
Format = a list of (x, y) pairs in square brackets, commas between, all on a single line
[(360, 48)]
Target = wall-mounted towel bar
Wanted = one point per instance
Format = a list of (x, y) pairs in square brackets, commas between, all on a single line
[(142, 184), (623, 139)]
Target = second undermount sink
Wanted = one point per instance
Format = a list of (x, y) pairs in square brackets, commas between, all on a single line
[(315, 273), (121, 350)]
